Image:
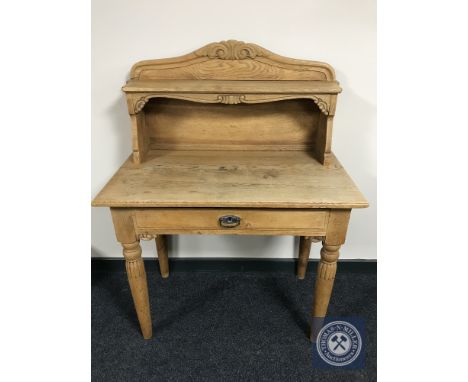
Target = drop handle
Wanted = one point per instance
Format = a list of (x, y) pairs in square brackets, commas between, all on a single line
[(229, 221)]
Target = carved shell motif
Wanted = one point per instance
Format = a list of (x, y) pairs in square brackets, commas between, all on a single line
[(231, 50)]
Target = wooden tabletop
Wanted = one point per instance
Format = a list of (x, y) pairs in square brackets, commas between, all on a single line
[(266, 179)]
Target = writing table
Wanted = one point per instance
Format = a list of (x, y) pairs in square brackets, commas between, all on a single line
[(231, 139)]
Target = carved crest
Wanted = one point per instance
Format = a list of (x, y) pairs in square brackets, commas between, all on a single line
[(231, 50), (261, 64)]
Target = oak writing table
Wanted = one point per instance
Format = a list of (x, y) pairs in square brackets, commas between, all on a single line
[(231, 139)]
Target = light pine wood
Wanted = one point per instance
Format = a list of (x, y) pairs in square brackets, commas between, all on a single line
[(231, 59), (161, 247), (231, 72), (326, 271), (250, 179), (193, 87), (305, 243), (124, 230), (288, 125), (140, 140), (138, 285), (153, 221), (231, 139)]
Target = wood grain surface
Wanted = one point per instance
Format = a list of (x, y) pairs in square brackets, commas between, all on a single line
[(232, 59), (175, 124), (233, 86), (290, 179)]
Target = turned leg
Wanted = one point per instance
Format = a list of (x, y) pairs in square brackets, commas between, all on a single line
[(162, 255), (138, 285), (124, 230), (305, 243), (326, 271)]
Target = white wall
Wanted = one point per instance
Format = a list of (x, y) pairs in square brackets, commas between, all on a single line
[(339, 32)]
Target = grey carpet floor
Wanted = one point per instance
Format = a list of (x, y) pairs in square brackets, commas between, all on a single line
[(225, 326)]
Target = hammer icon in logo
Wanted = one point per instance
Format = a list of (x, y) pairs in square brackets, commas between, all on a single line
[(338, 342)]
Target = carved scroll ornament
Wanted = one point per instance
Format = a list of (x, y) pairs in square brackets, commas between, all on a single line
[(231, 50), (146, 236), (230, 99)]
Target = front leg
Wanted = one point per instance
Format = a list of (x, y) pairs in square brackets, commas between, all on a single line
[(125, 232), (138, 285), (326, 271)]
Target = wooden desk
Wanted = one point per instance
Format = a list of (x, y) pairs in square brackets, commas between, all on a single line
[(231, 139)]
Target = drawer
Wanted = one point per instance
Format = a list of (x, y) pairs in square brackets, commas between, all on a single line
[(232, 221)]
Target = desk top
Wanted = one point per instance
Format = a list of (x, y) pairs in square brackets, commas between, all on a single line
[(263, 179)]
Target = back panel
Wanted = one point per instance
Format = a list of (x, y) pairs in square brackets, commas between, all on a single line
[(281, 125)]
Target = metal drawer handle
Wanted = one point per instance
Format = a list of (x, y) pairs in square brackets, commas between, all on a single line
[(229, 221)]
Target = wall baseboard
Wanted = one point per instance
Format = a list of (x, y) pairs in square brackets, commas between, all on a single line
[(231, 265)]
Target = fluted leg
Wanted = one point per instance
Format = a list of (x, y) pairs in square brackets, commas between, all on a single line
[(125, 232), (305, 243), (326, 271), (162, 255), (138, 285), (325, 278)]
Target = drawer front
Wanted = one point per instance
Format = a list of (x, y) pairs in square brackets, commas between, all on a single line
[(231, 221)]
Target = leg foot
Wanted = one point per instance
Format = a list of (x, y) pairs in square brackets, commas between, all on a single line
[(162, 255)]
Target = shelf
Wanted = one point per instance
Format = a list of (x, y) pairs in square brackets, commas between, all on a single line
[(234, 87)]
